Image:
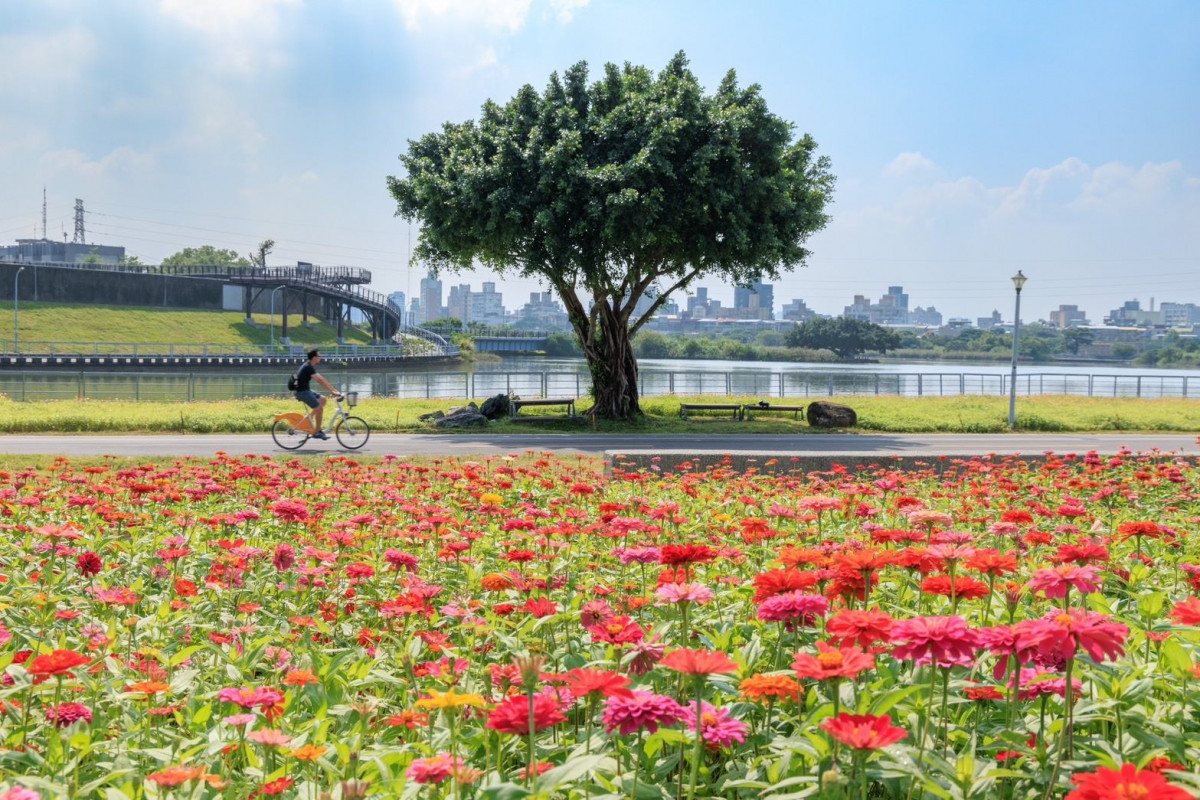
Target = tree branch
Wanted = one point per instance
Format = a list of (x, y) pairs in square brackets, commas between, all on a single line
[(662, 298)]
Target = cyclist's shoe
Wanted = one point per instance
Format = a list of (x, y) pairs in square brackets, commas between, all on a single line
[(320, 435)]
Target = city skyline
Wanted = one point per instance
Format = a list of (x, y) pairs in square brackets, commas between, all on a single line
[(969, 142)]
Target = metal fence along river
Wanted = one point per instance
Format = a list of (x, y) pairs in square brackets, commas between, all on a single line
[(27, 385)]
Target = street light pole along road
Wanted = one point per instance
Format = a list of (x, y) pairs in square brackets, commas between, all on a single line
[(1018, 281)]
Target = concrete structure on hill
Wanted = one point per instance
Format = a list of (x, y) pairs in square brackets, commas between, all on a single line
[(48, 251)]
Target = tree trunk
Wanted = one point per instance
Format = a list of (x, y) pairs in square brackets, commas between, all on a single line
[(614, 369)]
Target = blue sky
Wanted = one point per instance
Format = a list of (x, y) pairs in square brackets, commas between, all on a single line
[(970, 139)]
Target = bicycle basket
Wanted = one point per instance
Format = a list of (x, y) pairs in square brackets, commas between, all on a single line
[(351, 399)]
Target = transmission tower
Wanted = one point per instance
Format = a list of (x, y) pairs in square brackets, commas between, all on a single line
[(43, 212), (79, 232)]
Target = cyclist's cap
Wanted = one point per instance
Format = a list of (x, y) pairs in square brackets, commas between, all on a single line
[(312, 353)]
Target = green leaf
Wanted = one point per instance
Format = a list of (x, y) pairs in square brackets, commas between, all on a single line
[(1176, 659), (569, 771), (506, 791)]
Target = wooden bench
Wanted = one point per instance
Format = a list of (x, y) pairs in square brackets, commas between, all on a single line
[(516, 405), (736, 408), (750, 409)]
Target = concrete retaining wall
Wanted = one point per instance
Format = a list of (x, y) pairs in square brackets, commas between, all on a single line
[(66, 285)]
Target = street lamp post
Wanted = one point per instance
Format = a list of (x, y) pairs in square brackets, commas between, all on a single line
[(273, 291), (1018, 281), (16, 317)]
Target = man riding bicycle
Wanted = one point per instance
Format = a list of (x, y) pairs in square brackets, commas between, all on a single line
[(306, 395)]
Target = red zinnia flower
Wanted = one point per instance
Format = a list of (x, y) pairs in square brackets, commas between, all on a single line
[(1059, 635), (699, 662), (1187, 612), (512, 715), (1130, 529), (864, 732), (89, 564), (777, 581), (863, 628), (582, 682), (963, 586), (676, 554), (60, 662), (1127, 783), (617, 630)]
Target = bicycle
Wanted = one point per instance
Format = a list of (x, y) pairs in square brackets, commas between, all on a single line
[(291, 431)]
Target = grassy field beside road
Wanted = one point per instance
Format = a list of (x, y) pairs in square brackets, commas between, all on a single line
[(69, 322), (970, 414)]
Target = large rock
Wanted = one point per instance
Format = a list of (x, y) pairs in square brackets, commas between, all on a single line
[(468, 410), (432, 416), (461, 420), (830, 415), (496, 407)]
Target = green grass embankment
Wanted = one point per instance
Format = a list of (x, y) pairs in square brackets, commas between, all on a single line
[(968, 414), (70, 322)]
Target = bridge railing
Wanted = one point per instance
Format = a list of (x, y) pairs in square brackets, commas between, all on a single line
[(315, 273), (168, 349), (21, 384)]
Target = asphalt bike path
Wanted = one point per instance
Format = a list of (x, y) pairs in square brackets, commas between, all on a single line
[(849, 444)]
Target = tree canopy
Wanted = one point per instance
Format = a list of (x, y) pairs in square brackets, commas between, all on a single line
[(607, 190), (844, 336), (205, 256)]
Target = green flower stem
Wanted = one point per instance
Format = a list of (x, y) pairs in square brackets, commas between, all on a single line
[(698, 748)]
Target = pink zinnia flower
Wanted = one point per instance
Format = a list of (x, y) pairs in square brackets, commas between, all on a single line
[(945, 641), (20, 793), (716, 726), (238, 720), (64, 714), (646, 653), (794, 608), (249, 697), (291, 510), (638, 555), (398, 559), (643, 710), (435, 769), (1057, 581), (269, 737), (683, 593), (285, 557), (1061, 634)]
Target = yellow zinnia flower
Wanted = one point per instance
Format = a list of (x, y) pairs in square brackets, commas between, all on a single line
[(450, 699)]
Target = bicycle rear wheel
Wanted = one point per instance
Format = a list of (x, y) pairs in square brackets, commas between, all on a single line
[(286, 436), (352, 432)]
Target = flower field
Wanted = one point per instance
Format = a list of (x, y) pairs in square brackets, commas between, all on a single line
[(519, 627)]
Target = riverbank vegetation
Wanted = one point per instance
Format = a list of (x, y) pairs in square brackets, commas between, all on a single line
[(880, 414)]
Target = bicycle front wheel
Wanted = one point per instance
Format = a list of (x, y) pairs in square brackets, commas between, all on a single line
[(286, 436), (352, 432)]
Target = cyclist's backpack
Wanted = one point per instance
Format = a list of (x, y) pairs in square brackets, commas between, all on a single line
[(292, 384)]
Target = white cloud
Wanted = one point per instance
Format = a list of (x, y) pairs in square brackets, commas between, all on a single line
[(908, 164), (1038, 182), (225, 17), (42, 68), (565, 10), (505, 14), (217, 118), (122, 159), (243, 34)]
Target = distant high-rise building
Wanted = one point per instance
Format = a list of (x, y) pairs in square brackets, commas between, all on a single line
[(543, 312), (797, 311), (925, 316), (458, 303), (486, 307), (1068, 317), (400, 301), (431, 298), (756, 301), (892, 308)]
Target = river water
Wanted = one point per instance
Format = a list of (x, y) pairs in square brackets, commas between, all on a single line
[(531, 376)]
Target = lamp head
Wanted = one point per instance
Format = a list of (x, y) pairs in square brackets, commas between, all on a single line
[(1019, 280)]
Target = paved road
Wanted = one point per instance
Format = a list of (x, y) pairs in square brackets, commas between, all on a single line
[(485, 444)]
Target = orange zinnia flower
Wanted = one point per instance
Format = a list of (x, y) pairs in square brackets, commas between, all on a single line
[(770, 687), (300, 677), (864, 732)]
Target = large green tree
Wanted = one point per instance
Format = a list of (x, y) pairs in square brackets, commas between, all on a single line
[(205, 256), (607, 190), (844, 336)]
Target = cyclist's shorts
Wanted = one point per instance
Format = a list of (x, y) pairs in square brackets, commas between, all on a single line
[(309, 398)]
